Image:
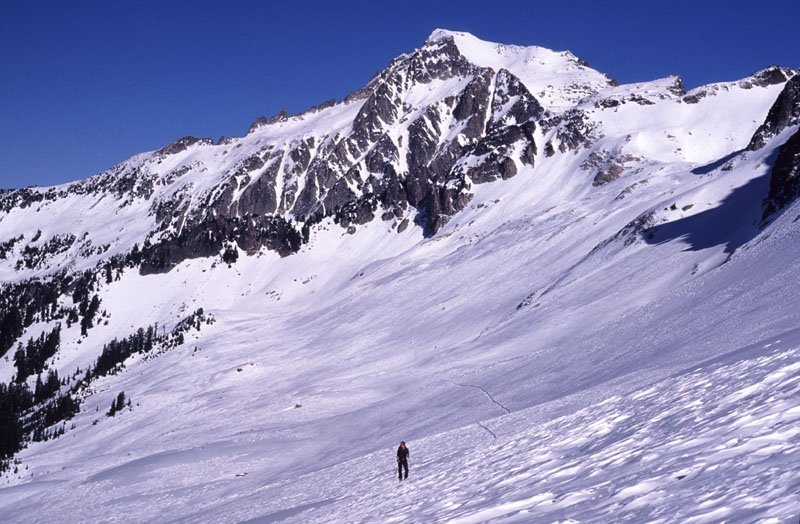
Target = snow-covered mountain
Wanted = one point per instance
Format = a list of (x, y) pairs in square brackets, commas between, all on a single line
[(574, 299)]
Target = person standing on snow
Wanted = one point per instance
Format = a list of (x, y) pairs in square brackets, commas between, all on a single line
[(402, 461)]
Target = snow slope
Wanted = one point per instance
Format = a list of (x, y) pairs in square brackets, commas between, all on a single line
[(561, 349), (557, 79), (715, 441)]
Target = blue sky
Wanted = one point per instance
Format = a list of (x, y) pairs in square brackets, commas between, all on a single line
[(84, 85)]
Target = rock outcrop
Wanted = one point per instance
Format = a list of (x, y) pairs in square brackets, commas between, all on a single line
[(784, 183), (784, 112)]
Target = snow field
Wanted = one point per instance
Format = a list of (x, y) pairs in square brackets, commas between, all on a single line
[(723, 435)]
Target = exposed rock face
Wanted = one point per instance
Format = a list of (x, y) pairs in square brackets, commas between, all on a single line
[(509, 133), (784, 184), (695, 97), (407, 148), (210, 237), (607, 166), (766, 77), (182, 144), (261, 121), (677, 88), (259, 197), (784, 112), (574, 131), (397, 157)]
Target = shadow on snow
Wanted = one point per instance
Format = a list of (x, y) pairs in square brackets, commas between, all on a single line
[(734, 222)]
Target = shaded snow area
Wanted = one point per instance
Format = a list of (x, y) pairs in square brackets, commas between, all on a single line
[(607, 330)]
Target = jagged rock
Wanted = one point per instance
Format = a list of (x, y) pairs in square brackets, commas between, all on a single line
[(694, 97), (784, 183), (300, 157), (642, 101), (440, 59), (608, 103), (209, 236), (677, 88), (608, 166), (766, 77), (182, 144), (402, 225), (383, 158), (377, 113), (400, 151), (259, 196), (326, 104), (784, 112), (441, 202), (353, 172), (643, 227), (574, 130), (357, 212), (496, 150), (252, 163), (422, 140), (280, 116), (171, 209), (258, 122), (493, 169), (524, 108), (339, 197)]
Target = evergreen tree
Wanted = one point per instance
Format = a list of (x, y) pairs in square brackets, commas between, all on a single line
[(37, 351), (88, 312), (86, 323), (117, 404), (21, 363), (14, 400), (48, 388), (38, 392)]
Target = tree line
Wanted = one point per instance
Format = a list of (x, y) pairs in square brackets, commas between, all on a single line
[(34, 415)]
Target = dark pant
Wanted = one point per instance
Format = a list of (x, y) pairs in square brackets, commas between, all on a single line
[(402, 464)]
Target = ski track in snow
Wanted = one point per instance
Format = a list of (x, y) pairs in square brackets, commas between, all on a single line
[(724, 435), (488, 395)]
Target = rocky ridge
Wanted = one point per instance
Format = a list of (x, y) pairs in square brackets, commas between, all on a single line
[(407, 148)]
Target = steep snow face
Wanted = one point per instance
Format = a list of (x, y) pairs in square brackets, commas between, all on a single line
[(558, 79), (593, 265), (660, 122)]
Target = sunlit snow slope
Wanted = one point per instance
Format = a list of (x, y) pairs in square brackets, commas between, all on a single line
[(562, 293)]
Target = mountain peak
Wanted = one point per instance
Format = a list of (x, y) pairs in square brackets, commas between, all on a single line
[(557, 78), (439, 34), (470, 45)]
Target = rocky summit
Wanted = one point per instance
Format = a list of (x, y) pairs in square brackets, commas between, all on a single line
[(489, 247)]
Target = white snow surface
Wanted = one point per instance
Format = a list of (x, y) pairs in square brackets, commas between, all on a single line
[(543, 362), (558, 79)]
